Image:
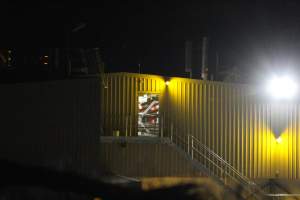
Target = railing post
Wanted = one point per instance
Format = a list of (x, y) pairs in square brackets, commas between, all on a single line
[(192, 148), (224, 174)]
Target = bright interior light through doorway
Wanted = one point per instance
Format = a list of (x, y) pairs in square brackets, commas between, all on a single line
[(148, 111)]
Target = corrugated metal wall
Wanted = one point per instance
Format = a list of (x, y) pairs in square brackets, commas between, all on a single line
[(228, 118), (146, 159), (120, 100), (53, 123), (238, 125)]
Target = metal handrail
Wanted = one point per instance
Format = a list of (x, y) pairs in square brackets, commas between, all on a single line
[(209, 160), (224, 163), (202, 146), (237, 179), (215, 160)]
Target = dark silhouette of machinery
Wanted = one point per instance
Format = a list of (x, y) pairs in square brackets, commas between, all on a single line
[(25, 64)]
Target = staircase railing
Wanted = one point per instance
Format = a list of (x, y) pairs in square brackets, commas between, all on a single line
[(215, 165)]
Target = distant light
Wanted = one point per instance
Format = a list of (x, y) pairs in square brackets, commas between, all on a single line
[(46, 56), (167, 83), (279, 140), (282, 87), (45, 63)]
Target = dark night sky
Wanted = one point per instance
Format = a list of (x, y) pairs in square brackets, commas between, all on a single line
[(255, 36)]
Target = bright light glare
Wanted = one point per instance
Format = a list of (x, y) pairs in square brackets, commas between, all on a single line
[(279, 139), (282, 87), (167, 83)]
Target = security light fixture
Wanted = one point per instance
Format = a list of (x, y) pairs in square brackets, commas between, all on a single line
[(279, 140), (282, 87)]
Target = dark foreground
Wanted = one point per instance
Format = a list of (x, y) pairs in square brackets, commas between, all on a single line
[(24, 182)]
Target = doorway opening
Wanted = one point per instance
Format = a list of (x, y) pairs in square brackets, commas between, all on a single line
[(148, 116)]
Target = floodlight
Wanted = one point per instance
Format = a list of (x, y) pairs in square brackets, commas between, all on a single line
[(282, 87), (279, 140)]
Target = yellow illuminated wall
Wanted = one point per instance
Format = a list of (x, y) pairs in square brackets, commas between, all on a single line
[(228, 118), (119, 93), (238, 126)]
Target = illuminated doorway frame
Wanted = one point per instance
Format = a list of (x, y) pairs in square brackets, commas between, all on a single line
[(148, 120)]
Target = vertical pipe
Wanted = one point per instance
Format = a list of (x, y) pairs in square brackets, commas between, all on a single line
[(204, 59), (188, 57)]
